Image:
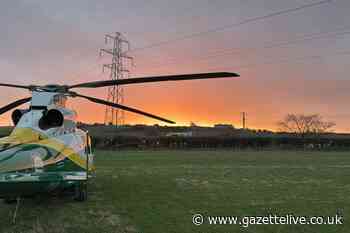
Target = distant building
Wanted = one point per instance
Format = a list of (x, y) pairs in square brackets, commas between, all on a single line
[(192, 124), (224, 126), (180, 134)]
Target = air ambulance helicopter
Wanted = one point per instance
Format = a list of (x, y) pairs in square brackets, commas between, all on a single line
[(46, 152)]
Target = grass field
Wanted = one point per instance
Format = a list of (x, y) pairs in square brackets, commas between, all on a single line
[(158, 192)]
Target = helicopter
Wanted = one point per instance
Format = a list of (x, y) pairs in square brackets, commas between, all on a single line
[(46, 152)]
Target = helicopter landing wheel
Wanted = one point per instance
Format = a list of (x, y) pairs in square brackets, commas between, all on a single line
[(80, 193)]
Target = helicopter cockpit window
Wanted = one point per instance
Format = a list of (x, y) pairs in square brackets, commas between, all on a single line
[(60, 101)]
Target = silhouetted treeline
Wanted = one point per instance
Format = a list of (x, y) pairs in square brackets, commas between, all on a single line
[(194, 137), (158, 137), (254, 143)]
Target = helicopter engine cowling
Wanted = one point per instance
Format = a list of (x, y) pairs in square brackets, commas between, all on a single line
[(17, 115), (58, 118), (52, 118)]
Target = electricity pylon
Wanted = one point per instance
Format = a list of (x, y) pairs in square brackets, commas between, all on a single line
[(118, 70)]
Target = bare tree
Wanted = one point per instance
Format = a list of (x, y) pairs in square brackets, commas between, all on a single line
[(302, 125)]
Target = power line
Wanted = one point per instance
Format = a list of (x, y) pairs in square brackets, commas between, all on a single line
[(286, 60), (221, 53), (340, 53), (180, 15), (222, 28), (227, 26)]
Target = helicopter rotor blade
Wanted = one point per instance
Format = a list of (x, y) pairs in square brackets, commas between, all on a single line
[(103, 102), (154, 79), (15, 86), (14, 105)]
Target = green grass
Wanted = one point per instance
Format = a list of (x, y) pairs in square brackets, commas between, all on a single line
[(158, 192)]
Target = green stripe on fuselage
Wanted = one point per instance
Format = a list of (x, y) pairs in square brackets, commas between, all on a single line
[(20, 158)]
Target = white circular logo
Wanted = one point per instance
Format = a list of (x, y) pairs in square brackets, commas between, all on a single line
[(197, 219)]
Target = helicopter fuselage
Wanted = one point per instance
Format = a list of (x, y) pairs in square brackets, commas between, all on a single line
[(45, 152)]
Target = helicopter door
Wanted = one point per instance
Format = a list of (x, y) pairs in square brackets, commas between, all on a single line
[(88, 151)]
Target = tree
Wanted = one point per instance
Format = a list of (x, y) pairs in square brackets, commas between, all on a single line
[(303, 125)]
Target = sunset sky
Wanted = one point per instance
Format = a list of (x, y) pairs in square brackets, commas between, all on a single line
[(293, 62)]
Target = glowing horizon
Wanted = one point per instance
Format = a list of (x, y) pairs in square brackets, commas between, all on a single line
[(281, 71)]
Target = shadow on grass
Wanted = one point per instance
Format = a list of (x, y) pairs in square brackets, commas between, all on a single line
[(61, 214)]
